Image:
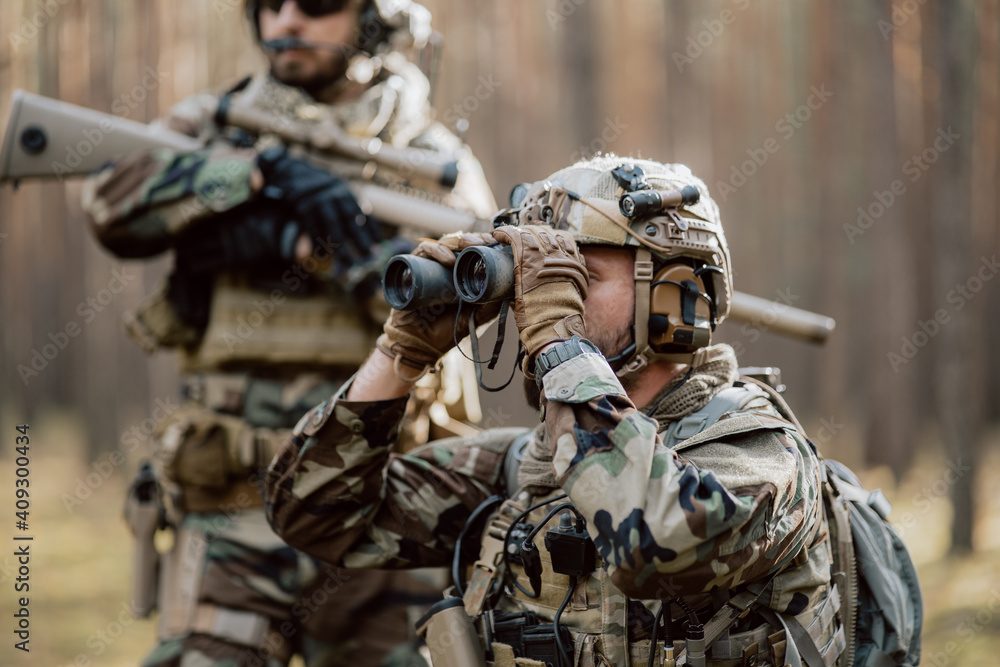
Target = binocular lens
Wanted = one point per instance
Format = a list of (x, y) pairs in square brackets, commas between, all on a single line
[(484, 273), (416, 282)]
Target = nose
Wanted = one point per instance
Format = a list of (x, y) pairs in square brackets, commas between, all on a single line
[(290, 18)]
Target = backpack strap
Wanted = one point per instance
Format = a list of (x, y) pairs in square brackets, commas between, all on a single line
[(729, 399), (487, 568), (734, 425), (837, 490), (777, 399), (512, 461)]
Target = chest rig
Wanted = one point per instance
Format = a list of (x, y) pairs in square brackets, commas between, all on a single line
[(531, 602)]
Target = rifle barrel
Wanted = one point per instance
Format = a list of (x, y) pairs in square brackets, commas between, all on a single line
[(781, 318)]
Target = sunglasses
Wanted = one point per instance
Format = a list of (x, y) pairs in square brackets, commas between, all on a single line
[(312, 8)]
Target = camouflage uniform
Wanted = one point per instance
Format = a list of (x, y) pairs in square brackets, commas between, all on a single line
[(718, 515), (232, 593), (709, 498)]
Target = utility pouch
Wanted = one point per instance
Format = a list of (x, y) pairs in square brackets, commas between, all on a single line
[(524, 638), (508, 628), (144, 515), (450, 635), (156, 324), (210, 460), (202, 448), (540, 643)]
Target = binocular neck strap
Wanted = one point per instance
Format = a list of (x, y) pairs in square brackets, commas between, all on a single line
[(497, 347)]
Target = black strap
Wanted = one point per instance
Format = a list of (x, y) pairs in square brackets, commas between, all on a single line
[(225, 100), (497, 347)]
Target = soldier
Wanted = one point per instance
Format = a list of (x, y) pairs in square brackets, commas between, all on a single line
[(663, 504), (272, 303)]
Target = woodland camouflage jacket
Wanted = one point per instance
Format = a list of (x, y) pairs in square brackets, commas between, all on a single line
[(722, 514)]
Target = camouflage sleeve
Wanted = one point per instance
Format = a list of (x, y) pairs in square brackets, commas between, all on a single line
[(139, 203), (722, 514), (337, 492)]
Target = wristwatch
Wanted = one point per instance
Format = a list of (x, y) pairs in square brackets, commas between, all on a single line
[(561, 352)]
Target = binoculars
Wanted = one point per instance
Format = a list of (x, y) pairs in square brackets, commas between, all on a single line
[(481, 274)]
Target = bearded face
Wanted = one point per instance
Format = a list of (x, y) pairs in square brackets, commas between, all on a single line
[(312, 69), (609, 308)]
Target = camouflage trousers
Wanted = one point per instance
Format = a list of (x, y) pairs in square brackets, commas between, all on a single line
[(232, 594)]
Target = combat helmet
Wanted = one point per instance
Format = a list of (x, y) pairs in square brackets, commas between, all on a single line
[(683, 271)]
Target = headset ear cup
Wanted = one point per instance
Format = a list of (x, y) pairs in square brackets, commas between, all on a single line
[(680, 316)]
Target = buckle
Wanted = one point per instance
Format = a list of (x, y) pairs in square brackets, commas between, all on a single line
[(644, 270)]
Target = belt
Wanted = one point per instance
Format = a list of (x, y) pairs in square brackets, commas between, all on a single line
[(242, 627)]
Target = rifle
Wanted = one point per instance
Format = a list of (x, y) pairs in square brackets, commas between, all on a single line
[(40, 128), (48, 138)]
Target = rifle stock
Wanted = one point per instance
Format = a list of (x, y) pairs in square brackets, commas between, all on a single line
[(48, 138)]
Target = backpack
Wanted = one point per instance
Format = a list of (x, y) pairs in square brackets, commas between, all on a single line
[(881, 605), (881, 602)]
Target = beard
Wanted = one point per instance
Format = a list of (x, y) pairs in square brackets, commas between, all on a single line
[(314, 81), (609, 342)]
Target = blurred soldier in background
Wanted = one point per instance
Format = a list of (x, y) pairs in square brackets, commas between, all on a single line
[(273, 303), (679, 504)]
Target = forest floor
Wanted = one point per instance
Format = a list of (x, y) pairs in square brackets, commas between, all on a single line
[(80, 566)]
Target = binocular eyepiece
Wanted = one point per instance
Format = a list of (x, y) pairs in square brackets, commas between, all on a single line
[(482, 274)]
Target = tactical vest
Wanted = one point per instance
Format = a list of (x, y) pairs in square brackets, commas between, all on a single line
[(250, 327), (743, 630)]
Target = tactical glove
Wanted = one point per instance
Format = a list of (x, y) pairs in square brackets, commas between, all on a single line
[(322, 204), (418, 338), (252, 235), (550, 284)]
